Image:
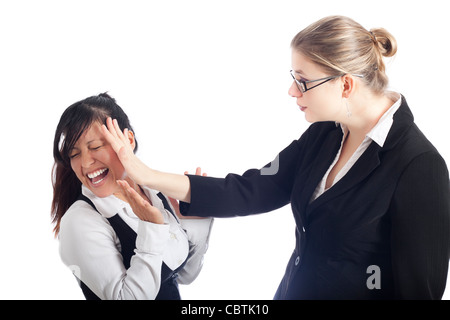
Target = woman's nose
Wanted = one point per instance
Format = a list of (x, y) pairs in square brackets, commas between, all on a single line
[(86, 160), (294, 91)]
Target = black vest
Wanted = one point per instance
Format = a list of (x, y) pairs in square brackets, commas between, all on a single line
[(127, 237)]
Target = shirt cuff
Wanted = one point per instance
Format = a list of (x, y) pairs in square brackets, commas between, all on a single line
[(151, 237)]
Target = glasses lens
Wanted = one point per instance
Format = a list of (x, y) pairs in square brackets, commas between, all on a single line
[(300, 84)]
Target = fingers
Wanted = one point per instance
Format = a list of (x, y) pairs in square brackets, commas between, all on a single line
[(114, 128), (113, 133), (141, 207), (118, 140), (198, 172), (108, 135), (130, 193), (119, 132), (133, 198)]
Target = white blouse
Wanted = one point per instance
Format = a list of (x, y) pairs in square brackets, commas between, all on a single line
[(90, 247), (378, 134)]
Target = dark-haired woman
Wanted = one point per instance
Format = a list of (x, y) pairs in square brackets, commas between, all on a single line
[(122, 240)]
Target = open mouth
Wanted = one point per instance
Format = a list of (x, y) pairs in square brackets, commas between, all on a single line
[(98, 176)]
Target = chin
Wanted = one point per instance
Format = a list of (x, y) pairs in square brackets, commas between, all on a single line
[(102, 192), (310, 119)]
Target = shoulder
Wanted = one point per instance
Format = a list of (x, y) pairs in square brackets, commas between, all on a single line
[(308, 144), (323, 127), (405, 135), (318, 131), (80, 221), (313, 138), (406, 141), (415, 158), (415, 145)]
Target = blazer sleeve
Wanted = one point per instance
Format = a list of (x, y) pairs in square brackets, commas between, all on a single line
[(255, 191), (420, 229)]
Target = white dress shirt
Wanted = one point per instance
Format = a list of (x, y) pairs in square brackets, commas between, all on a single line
[(90, 247), (378, 134)]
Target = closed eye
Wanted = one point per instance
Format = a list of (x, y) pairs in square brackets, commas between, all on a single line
[(74, 155), (96, 148)]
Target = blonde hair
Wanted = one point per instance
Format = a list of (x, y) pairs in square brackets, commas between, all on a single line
[(339, 45)]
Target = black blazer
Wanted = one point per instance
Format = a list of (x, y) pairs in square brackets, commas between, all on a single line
[(381, 232)]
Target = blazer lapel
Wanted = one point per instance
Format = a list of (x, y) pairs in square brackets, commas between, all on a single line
[(368, 161), (324, 158)]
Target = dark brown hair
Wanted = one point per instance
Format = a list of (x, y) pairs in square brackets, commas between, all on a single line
[(76, 119)]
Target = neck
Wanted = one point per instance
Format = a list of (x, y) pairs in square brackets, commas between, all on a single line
[(366, 111)]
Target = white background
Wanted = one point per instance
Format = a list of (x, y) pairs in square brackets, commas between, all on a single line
[(204, 84)]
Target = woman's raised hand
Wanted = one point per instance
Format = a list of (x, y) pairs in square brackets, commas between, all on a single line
[(176, 186), (123, 146), (141, 207)]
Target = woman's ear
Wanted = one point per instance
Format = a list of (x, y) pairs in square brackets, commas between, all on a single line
[(130, 136), (348, 82)]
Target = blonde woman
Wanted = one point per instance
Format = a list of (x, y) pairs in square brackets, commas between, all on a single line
[(369, 192)]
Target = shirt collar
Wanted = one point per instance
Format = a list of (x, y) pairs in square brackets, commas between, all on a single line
[(111, 205), (380, 131)]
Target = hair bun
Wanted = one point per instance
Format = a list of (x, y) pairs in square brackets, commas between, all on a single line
[(385, 41)]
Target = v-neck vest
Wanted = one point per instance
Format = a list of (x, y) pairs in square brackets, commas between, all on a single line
[(127, 237)]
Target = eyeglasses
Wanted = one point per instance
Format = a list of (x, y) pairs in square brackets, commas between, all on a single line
[(301, 84)]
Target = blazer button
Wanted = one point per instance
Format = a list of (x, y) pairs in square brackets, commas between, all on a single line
[(297, 260)]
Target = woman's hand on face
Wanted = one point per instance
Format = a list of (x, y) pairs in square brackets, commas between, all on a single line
[(121, 144), (141, 207), (176, 205)]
